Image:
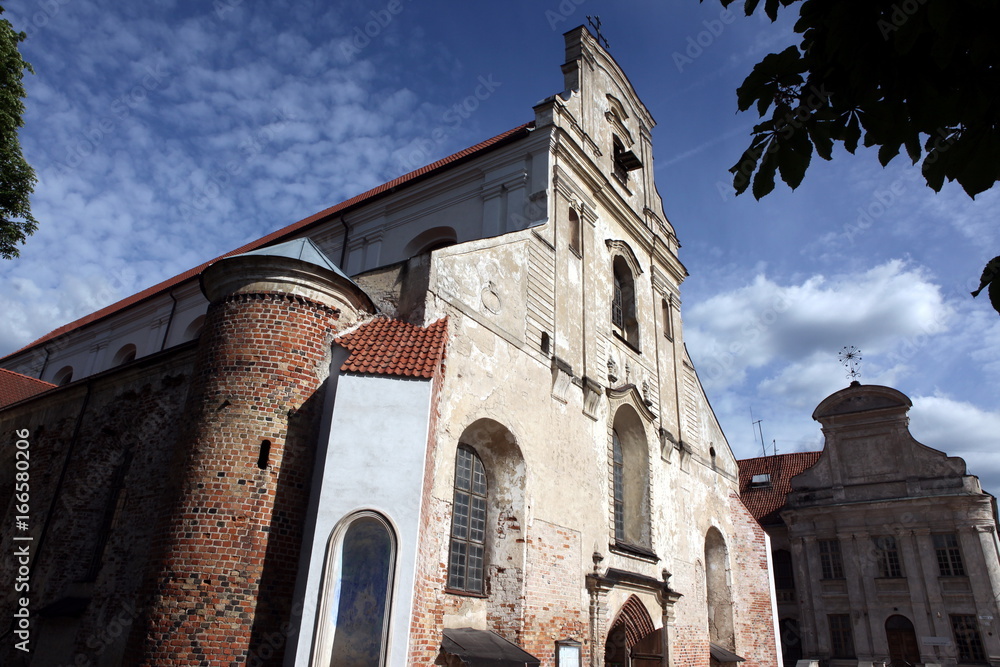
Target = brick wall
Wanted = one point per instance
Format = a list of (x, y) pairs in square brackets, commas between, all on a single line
[(98, 452), (228, 544), (754, 621)]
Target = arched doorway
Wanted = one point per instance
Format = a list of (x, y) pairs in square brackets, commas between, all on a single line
[(632, 640), (902, 641)]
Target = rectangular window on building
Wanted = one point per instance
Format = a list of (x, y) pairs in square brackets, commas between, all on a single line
[(967, 639), (949, 558), (841, 636), (830, 559), (887, 556)]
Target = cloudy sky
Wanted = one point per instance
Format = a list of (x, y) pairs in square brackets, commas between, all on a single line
[(165, 133)]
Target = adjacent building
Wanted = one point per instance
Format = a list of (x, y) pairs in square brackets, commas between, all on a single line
[(885, 550)]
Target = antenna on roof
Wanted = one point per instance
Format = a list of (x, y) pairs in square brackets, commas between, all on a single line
[(850, 357), (595, 23), (756, 424)]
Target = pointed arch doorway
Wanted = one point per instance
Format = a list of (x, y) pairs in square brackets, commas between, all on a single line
[(902, 641), (632, 640)]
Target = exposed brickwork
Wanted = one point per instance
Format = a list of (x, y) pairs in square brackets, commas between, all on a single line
[(555, 607), (228, 546), (689, 646), (752, 615)]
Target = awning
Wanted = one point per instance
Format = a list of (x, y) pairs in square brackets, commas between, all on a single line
[(723, 655), (482, 648)]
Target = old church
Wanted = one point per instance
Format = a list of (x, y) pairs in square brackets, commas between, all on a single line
[(449, 421)]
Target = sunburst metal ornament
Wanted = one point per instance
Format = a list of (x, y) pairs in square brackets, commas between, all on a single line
[(850, 356)]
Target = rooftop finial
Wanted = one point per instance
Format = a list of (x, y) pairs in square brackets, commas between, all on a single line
[(850, 356), (595, 23)]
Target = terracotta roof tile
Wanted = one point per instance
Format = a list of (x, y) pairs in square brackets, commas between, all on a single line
[(393, 347), (764, 502), (15, 387), (294, 228)]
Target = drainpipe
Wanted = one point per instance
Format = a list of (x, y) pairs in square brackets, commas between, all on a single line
[(343, 250), (170, 320)]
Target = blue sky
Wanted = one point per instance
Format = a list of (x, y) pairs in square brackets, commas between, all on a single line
[(166, 133)]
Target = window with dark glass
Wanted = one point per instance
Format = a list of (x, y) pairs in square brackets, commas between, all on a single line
[(830, 560), (841, 636), (468, 524), (618, 475), (949, 557), (967, 639), (784, 575), (357, 607), (623, 309), (887, 556)]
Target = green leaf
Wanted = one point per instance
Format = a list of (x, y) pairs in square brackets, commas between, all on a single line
[(852, 134), (793, 157), (912, 143), (886, 152), (763, 182)]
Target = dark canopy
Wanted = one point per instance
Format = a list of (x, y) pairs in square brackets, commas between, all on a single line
[(481, 648)]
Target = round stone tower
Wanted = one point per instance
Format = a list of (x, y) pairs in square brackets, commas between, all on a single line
[(227, 548)]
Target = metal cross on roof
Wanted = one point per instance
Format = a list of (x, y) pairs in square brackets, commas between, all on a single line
[(595, 23), (850, 357)]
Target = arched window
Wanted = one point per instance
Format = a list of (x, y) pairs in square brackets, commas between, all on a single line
[(717, 587), (354, 615), (193, 330), (630, 481), (430, 239), (124, 355), (64, 376), (623, 311), (468, 523), (618, 476)]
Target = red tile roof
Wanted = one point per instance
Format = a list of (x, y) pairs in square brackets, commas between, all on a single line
[(393, 347), (282, 234), (764, 502), (15, 387)]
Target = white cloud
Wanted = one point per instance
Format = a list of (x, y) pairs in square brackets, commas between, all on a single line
[(960, 429), (764, 323)]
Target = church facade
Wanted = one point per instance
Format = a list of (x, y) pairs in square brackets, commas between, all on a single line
[(448, 421)]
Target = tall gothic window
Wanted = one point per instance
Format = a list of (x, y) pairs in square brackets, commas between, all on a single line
[(618, 468), (468, 524), (623, 311)]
